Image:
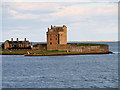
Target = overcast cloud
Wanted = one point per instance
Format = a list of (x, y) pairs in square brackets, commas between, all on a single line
[(85, 21)]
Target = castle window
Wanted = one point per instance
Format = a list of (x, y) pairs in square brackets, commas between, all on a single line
[(50, 43), (50, 38), (56, 39)]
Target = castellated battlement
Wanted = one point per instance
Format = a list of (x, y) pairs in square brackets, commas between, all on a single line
[(57, 29)]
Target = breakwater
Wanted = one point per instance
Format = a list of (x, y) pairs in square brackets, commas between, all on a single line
[(58, 54)]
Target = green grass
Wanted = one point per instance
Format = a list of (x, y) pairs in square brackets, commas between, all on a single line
[(89, 44), (13, 52)]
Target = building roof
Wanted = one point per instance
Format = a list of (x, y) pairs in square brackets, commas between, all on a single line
[(58, 29), (16, 42)]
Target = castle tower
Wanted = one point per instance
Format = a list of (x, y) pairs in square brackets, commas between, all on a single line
[(56, 36)]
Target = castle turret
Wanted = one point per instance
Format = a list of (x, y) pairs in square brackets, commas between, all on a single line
[(51, 26), (17, 39), (12, 39), (48, 29)]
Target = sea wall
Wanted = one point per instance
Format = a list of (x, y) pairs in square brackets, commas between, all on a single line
[(75, 48), (63, 47), (104, 48)]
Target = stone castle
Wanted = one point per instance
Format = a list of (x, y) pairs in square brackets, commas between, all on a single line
[(56, 36), (56, 40)]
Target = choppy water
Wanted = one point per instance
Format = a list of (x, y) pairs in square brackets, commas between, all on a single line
[(75, 71)]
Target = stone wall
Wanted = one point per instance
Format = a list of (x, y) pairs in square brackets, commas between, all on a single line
[(63, 47), (6, 45), (56, 36), (52, 40), (104, 48), (40, 47), (75, 48)]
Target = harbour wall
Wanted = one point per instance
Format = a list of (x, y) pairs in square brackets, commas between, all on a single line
[(75, 48), (89, 48)]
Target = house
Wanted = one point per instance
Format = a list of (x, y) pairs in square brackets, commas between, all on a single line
[(17, 44)]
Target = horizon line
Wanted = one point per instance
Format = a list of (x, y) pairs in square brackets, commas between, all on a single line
[(81, 41)]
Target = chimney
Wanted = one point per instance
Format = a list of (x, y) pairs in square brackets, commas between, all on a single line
[(11, 39), (48, 29), (51, 26), (64, 26), (17, 39), (25, 39)]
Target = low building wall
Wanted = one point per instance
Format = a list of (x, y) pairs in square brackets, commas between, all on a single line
[(104, 48), (40, 47), (63, 47), (74, 48)]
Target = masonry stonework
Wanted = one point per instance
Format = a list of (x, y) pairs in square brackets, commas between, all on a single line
[(17, 44), (56, 36), (40, 47), (57, 40), (104, 49)]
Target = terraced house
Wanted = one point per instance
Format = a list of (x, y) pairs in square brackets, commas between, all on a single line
[(17, 44)]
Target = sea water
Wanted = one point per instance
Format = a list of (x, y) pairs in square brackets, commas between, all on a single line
[(74, 71)]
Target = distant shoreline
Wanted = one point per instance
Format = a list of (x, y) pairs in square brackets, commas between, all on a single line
[(95, 41)]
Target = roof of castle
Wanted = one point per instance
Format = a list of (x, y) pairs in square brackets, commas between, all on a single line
[(57, 29)]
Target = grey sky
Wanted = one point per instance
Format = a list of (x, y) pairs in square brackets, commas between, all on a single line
[(85, 21)]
